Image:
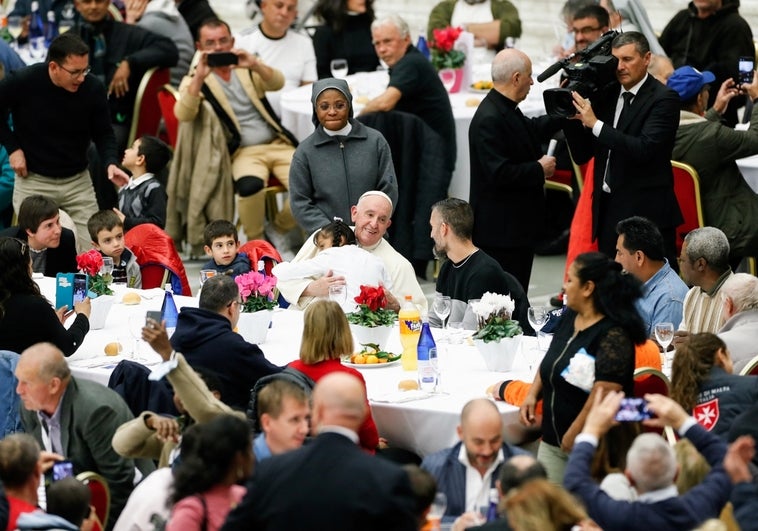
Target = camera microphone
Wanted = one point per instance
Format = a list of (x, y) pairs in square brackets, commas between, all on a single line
[(554, 68)]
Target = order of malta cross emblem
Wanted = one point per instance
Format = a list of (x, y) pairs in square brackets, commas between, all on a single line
[(707, 413)]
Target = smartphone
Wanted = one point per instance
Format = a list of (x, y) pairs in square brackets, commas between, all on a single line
[(155, 315), (222, 59), (62, 469), (633, 410), (746, 67), (81, 286)]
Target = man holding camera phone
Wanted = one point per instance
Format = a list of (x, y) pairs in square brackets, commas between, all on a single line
[(629, 128), (234, 82), (651, 468)]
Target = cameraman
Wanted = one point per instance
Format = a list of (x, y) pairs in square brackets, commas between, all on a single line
[(632, 175)]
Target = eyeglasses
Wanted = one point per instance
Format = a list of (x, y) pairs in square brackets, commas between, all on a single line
[(585, 30), (76, 73), (238, 302), (339, 106)]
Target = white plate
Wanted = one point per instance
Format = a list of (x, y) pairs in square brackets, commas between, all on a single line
[(370, 365), (478, 91)]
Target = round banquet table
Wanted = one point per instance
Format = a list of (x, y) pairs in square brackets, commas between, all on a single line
[(749, 169), (424, 424), (297, 113)]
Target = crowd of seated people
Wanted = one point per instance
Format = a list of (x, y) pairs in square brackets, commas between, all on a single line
[(316, 433)]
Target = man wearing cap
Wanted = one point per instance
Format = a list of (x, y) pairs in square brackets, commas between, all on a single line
[(371, 217), (629, 129), (338, 162), (712, 148)]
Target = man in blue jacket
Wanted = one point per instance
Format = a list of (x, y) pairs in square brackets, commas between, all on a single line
[(651, 469)]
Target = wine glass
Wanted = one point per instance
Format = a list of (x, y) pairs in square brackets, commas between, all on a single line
[(338, 294), (437, 510), (442, 306), (107, 268), (537, 316), (664, 333), (205, 274), (339, 68), (15, 25), (447, 76)]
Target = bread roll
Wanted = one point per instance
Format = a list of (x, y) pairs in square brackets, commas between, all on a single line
[(407, 385), (131, 298), (113, 349)]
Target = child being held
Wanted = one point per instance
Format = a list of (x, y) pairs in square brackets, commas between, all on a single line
[(107, 232), (222, 245), (338, 253), (143, 198)]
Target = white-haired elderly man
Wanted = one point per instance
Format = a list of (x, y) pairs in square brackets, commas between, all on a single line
[(651, 469), (740, 330), (704, 266)]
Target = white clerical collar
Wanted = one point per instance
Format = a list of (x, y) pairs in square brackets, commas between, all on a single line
[(341, 132)]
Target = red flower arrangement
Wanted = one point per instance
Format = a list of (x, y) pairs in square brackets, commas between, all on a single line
[(372, 308), (441, 47), (91, 263)]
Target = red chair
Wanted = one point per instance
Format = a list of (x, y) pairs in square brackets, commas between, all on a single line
[(146, 116), (751, 369), (167, 96), (158, 258), (687, 191), (648, 380), (100, 497), (261, 250)]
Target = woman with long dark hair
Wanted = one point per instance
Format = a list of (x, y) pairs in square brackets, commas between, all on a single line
[(702, 382), (26, 317), (215, 457), (602, 321), (346, 34)]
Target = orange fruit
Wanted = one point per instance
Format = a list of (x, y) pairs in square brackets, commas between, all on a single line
[(371, 359), (360, 359)]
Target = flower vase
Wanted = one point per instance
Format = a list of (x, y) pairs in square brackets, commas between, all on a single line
[(452, 79), (253, 326), (365, 334), (499, 355), (100, 306)]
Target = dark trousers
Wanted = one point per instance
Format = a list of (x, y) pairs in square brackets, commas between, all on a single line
[(515, 260)]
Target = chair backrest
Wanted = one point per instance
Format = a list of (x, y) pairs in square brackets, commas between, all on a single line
[(146, 116), (101, 496), (751, 369), (158, 258), (687, 191), (261, 250), (167, 96), (650, 380), (10, 418)]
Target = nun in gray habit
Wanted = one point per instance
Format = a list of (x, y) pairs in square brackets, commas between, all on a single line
[(338, 162)]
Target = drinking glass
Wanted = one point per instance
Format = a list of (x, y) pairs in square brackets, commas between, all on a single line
[(437, 510), (15, 25), (442, 306), (538, 316), (447, 76), (339, 68), (205, 274), (136, 323), (664, 333), (338, 294), (107, 269)]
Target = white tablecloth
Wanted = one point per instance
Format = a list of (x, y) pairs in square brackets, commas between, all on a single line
[(749, 169), (424, 426), (297, 113)]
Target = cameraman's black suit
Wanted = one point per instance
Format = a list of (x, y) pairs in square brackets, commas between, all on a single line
[(639, 172)]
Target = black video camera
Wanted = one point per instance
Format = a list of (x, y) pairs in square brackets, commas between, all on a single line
[(595, 69)]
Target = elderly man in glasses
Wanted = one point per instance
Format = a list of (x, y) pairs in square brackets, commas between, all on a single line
[(57, 112)]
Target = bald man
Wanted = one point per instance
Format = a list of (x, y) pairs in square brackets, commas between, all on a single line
[(371, 218), (74, 418), (330, 483), (467, 471), (508, 168)]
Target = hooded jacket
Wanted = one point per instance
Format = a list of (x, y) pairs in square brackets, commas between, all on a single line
[(207, 340)]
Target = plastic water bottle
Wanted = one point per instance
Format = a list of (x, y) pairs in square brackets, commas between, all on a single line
[(51, 28), (36, 32), (409, 319), (422, 46), (492, 509), (427, 377), (169, 313)]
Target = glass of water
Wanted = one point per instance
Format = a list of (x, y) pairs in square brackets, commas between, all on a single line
[(664, 333), (339, 68)]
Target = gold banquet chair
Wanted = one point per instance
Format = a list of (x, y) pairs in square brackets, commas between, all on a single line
[(687, 191), (146, 115), (100, 496)]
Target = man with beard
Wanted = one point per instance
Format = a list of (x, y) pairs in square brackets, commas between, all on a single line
[(467, 471), (468, 272)]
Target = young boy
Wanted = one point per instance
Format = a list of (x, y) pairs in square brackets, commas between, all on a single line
[(222, 245), (143, 198), (107, 233)]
